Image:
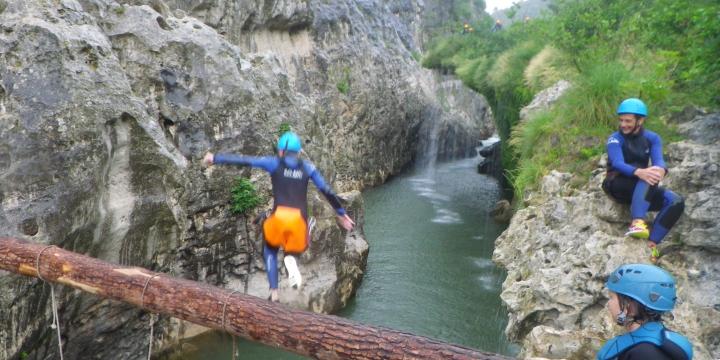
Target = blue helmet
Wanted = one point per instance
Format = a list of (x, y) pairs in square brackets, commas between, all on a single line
[(632, 106), (649, 285), (289, 141)]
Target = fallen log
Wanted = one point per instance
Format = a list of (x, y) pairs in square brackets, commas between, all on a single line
[(315, 335)]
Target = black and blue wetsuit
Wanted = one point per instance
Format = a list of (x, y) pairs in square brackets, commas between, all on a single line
[(644, 351), (627, 153), (650, 341), (290, 177)]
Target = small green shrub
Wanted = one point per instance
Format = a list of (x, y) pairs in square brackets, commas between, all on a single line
[(525, 176), (599, 89), (547, 68), (591, 152), (244, 196), (441, 50), (528, 134), (343, 86)]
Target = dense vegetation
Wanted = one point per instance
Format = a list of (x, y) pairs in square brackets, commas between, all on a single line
[(663, 51)]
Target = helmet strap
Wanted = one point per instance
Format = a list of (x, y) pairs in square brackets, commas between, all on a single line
[(284, 150), (637, 123), (621, 319), (635, 127)]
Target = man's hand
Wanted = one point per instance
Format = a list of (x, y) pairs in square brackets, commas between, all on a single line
[(346, 222), (651, 175), (658, 170), (208, 159)]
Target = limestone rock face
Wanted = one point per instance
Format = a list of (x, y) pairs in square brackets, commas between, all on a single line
[(106, 108), (544, 99), (560, 249)]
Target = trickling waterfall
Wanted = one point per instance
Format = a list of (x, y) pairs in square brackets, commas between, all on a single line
[(427, 151)]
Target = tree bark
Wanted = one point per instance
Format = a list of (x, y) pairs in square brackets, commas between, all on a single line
[(315, 335)]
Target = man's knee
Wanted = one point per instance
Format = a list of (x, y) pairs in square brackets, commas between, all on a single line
[(677, 201), (675, 208)]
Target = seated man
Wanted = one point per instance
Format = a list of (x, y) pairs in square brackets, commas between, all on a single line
[(631, 180)]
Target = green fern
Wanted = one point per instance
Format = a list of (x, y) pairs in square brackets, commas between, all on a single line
[(244, 196)]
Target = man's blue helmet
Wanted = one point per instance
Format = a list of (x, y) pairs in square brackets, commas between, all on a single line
[(649, 285), (632, 106), (289, 141)]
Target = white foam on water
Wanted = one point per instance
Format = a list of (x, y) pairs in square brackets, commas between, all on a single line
[(483, 263), (434, 196), (445, 216), (422, 188), (487, 282), (426, 181)]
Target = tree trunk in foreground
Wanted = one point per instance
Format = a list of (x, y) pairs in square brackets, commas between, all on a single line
[(315, 335)]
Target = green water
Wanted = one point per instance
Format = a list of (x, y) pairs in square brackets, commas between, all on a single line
[(429, 270)]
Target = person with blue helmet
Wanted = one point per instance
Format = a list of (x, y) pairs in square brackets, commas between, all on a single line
[(639, 295), (635, 169), (286, 227)]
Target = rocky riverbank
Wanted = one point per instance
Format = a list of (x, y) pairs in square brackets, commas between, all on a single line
[(561, 247)]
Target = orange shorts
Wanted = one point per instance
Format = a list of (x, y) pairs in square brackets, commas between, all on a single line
[(286, 228)]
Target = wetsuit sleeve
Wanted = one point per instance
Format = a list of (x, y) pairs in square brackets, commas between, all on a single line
[(656, 155), (268, 164), (323, 187), (617, 160)]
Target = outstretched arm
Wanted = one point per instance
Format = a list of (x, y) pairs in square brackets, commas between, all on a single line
[(268, 164), (345, 221)]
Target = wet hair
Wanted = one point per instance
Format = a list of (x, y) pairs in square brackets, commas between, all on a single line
[(643, 314)]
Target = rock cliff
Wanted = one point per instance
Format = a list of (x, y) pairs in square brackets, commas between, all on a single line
[(107, 106)]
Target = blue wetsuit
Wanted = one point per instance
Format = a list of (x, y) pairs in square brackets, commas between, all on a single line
[(287, 193), (627, 153), (650, 341)]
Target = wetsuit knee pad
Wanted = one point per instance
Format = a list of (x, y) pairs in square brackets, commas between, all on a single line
[(676, 200), (675, 208), (286, 228)]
